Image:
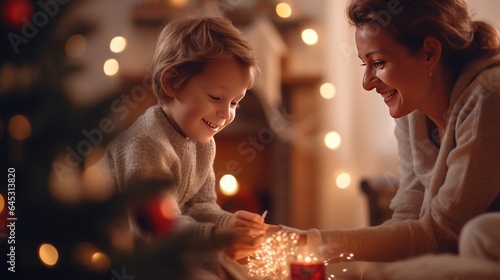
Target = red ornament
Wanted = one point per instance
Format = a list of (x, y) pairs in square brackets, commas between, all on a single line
[(14, 11), (307, 271), (157, 217)]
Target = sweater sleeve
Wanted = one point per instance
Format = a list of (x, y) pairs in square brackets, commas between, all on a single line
[(203, 205)]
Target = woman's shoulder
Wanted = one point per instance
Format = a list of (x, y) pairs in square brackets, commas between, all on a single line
[(479, 81), (480, 73)]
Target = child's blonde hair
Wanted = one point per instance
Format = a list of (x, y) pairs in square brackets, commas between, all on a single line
[(187, 44)]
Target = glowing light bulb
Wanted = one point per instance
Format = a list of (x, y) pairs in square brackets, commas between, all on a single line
[(2, 203), (283, 10), (228, 185), (19, 127), (333, 140), (48, 254), (310, 36), (327, 90), (118, 44), (111, 67), (343, 180)]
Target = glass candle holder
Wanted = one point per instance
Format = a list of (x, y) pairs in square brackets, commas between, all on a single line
[(308, 263)]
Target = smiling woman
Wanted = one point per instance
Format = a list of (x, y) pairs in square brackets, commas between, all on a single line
[(435, 67)]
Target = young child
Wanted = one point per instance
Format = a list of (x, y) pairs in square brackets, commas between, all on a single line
[(202, 69)]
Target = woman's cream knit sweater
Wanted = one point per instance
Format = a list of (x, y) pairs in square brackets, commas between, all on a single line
[(440, 188)]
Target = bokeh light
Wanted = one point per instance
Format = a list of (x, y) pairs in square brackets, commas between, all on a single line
[(228, 185), (48, 254), (343, 266), (121, 238), (179, 3), (118, 44), (64, 182), (343, 180), (100, 262), (327, 90), (310, 36), (2, 203), (15, 12), (333, 140), (283, 10), (19, 127), (111, 67), (83, 253), (76, 45), (8, 76)]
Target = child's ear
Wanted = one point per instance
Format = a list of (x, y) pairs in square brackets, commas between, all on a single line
[(166, 77)]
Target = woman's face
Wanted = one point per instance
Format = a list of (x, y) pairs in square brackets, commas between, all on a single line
[(401, 78)]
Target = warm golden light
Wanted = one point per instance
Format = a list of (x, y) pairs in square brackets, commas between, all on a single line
[(283, 10), (121, 238), (94, 188), (327, 90), (118, 44), (228, 185), (48, 254), (309, 36), (2, 203), (65, 182), (100, 262), (111, 67), (76, 45), (179, 3), (343, 180), (19, 127), (83, 253), (333, 140)]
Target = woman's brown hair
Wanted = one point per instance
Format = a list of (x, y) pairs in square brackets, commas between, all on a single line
[(408, 22)]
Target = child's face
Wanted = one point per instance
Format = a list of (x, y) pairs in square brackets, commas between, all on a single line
[(208, 101)]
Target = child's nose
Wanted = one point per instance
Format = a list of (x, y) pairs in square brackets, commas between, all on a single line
[(224, 112)]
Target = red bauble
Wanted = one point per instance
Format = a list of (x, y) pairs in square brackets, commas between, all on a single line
[(158, 214), (14, 11)]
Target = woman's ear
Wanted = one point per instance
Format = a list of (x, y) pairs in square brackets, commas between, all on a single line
[(166, 77), (433, 50)]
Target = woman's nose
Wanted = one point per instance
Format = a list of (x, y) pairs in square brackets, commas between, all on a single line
[(370, 81)]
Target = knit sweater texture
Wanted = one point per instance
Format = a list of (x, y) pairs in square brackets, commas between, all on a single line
[(152, 153), (441, 188)]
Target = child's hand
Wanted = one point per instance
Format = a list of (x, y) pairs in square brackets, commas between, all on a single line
[(253, 222), (249, 229)]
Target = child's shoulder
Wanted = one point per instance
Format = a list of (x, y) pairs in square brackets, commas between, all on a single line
[(142, 127)]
